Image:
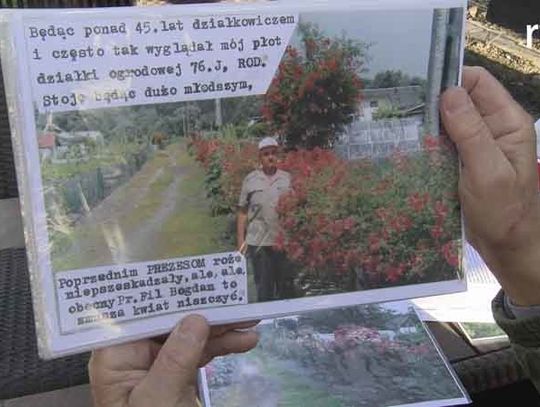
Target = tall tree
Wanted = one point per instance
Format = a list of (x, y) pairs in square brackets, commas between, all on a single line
[(316, 89), (389, 79)]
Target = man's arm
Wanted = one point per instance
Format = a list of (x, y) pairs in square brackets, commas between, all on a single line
[(241, 223)]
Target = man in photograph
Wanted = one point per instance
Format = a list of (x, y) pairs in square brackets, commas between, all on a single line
[(257, 224)]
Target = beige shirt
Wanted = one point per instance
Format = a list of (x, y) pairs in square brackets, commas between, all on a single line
[(260, 194)]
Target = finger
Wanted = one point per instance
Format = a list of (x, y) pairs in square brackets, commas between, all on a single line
[(502, 114), (221, 329), (136, 355), (231, 342), (175, 367), (115, 370), (478, 150)]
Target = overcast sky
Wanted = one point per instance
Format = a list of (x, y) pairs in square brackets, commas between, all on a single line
[(401, 39)]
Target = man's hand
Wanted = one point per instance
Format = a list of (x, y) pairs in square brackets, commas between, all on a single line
[(242, 249), (498, 187), (146, 373), (241, 224)]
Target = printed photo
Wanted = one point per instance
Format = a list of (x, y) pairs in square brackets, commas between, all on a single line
[(336, 180), (375, 355), (482, 332)]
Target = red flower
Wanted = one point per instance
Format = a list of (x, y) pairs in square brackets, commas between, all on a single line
[(441, 210), (374, 243), (417, 202), (394, 273), (430, 142), (348, 223), (436, 232), (450, 254)]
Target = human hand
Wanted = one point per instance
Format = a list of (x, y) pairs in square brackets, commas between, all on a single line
[(242, 249), (498, 184), (145, 373)]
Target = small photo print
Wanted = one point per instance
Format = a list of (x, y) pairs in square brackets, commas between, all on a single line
[(478, 332), (375, 355)]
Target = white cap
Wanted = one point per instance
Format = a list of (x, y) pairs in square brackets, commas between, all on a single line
[(268, 142)]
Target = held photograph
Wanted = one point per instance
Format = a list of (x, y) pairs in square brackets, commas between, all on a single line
[(335, 180), (372, 355)]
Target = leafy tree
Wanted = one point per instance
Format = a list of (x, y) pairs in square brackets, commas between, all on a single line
[(416, 80), (242, 109), (316, 89), (389, 79), (394, 78)]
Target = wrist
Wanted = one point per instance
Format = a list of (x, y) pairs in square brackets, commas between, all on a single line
[(512, 252), (520, 312), (518, 272)]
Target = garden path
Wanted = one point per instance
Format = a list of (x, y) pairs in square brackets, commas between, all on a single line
[(161, 212)]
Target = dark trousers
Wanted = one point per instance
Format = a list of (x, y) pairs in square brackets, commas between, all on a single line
[(274, 275)]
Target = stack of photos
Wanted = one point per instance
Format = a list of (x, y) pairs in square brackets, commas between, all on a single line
[(371, 355), (240, 160)]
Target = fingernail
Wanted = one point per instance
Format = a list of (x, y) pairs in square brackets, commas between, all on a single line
[(456, 100)]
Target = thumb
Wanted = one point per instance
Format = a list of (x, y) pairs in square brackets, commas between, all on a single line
[(478, 150), (173, 375)]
